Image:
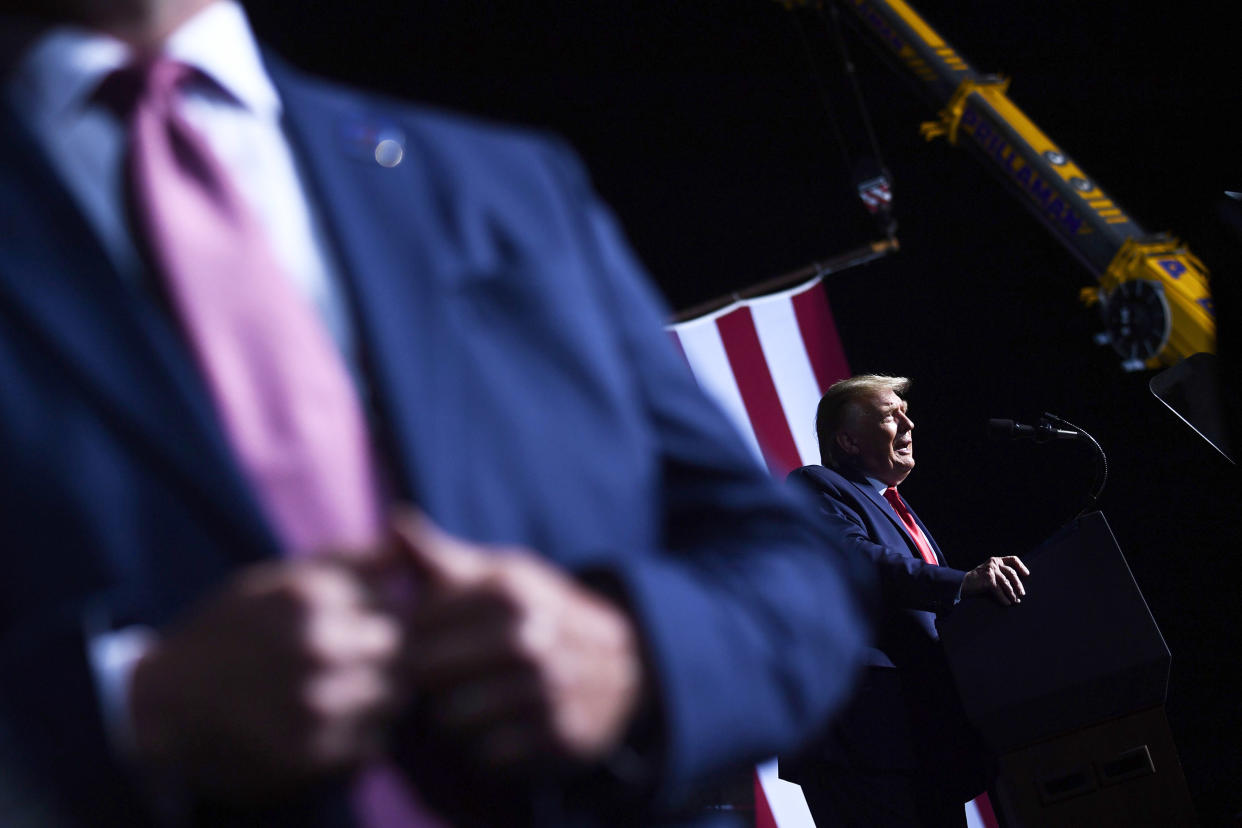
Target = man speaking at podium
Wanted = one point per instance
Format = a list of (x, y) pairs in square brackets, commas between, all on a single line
[(902, 753)]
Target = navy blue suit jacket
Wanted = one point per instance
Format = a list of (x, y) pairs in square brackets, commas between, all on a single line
[(906, 713), (522, 391)]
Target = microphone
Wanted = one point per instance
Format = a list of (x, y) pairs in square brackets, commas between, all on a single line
[(1041, 433)]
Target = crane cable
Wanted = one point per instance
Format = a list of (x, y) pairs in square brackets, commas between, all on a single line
[(873, 189)]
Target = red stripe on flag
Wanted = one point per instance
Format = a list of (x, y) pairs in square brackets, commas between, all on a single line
[(763, 811), (986, 812), (819, 335), (763, 404)]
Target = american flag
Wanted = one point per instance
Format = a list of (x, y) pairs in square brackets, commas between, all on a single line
[(767, 361), (876, 194)]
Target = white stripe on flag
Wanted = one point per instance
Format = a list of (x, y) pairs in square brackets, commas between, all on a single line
[(700, 340), (785, 799), (791, 370)]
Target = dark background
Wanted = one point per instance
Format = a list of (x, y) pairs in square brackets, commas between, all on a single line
[(704, 127)]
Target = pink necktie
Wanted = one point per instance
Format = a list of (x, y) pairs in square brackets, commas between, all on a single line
[(278, 382), (903, 512)]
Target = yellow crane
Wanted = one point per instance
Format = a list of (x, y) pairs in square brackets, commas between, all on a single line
[(1152, 292)]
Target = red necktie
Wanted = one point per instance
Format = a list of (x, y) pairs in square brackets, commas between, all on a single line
[(279, 384), (903, 512)]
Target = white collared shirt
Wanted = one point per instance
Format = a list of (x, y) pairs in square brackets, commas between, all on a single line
[(879, 485)]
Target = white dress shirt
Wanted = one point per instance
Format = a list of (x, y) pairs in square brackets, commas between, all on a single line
[(51, 89)]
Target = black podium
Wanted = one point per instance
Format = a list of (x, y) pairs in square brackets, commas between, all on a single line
[(1068, 687)]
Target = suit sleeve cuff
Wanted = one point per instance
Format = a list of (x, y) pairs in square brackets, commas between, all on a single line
[(955, 579)]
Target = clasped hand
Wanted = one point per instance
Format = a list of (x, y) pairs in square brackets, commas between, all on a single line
[(297, 669)]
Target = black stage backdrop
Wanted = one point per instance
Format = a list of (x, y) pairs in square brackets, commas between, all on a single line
[(703, 127)]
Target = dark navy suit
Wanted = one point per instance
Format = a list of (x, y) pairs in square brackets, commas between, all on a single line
[(521, 391), (905, 716)]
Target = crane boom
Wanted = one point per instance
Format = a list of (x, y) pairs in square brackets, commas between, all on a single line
[(1152, 292)]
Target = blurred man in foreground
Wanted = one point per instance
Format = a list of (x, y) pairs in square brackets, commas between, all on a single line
[(244, 319), (902, 752)]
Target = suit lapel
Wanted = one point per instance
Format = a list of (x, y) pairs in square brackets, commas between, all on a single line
[(58, 286), (868, 491), (400, 270), (864, 486)]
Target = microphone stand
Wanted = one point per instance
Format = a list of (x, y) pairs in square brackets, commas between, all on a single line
[(1101, 464)]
